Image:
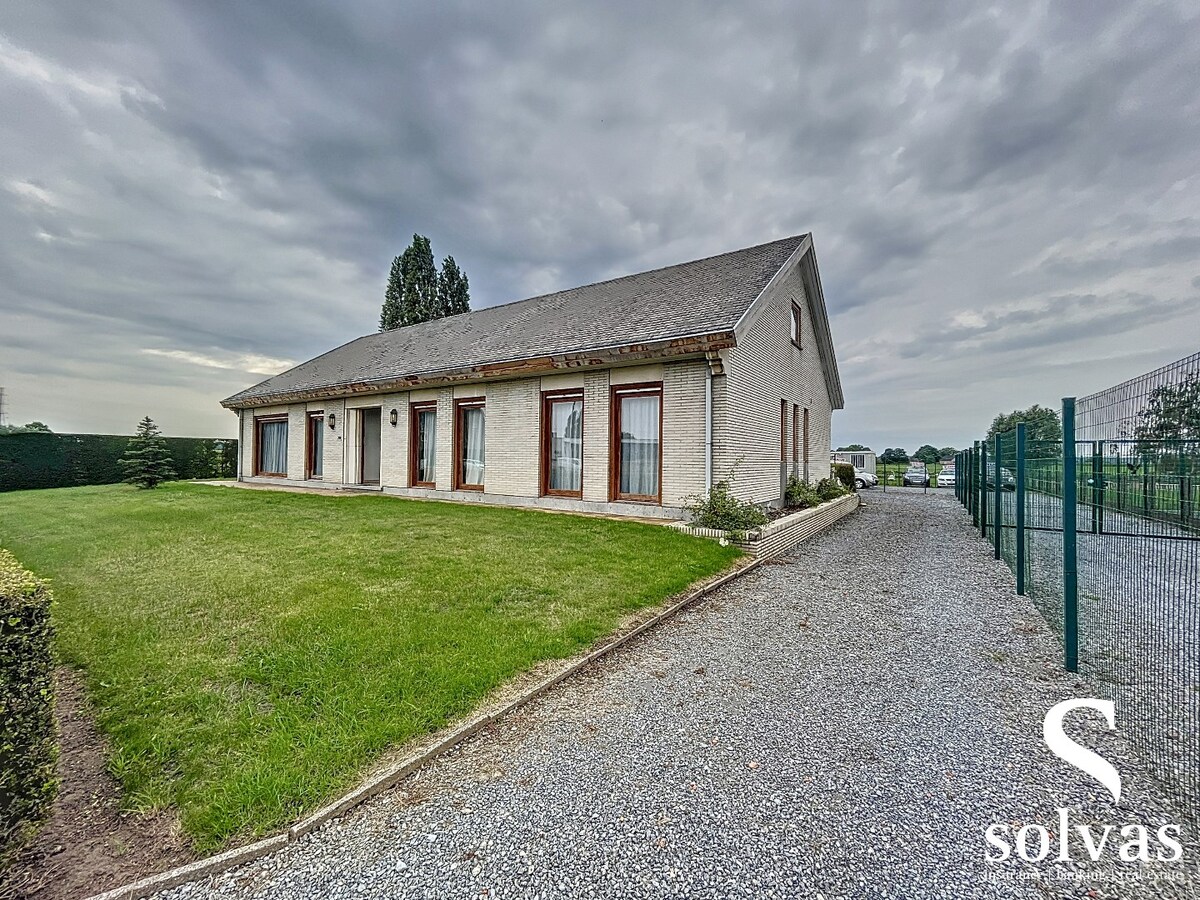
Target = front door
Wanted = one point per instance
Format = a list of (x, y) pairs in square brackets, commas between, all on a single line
[(369, 432)]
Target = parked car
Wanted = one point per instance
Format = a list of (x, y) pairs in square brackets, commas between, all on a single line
[(916, 476), (864, 479), (1008, 481), (945, 478)]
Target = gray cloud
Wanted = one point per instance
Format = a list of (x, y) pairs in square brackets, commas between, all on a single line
[(1003, 202)]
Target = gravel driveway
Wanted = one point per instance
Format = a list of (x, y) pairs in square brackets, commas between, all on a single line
[(844, 722)]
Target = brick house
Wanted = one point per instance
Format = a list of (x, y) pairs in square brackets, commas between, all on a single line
[(623, 397)]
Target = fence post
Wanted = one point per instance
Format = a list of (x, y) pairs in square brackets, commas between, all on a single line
[(1179, 469), (1097, 489), (1020, 501), (958, 475), (998, 518), (983, 506), (973, 487), (1070, 544), (966, 479)]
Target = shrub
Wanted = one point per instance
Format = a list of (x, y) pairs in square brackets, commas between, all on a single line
[(800, 494), (28, 746), (830, 489), (844, 472), (720, 510)]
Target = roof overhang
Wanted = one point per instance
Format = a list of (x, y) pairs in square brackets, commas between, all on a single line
[(599, 357)]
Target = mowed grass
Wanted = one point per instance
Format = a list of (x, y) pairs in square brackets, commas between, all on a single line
[(251, 652)]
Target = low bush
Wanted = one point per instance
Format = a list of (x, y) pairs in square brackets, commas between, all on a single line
[(28, 745), (831, 489), (844, 472), (721, 510), (800, 494)]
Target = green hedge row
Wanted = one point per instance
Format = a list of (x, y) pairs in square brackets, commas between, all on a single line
[(39, 460), (28, 744)]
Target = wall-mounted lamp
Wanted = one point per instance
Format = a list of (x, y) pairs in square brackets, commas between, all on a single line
[(332, 421), (394, 417)]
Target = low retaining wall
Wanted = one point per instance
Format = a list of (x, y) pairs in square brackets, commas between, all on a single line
[(785, 533)]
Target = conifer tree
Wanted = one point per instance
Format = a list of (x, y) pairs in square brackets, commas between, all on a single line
[(454, 295), (147, 462), (417, 292), (420, 282), (390, 316)]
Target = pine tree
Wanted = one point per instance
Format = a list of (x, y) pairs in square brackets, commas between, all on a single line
[(454, 295), (390, 316), (147, 462)]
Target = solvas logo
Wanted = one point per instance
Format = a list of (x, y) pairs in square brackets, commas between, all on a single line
[(1129, 842)]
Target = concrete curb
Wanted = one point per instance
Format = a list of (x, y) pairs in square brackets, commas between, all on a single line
[(381, 781), (192, 871)]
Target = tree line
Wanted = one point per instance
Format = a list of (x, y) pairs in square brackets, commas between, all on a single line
[(39, 427), (927, 453)]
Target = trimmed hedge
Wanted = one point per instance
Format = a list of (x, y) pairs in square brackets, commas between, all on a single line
[(39, 460), (28, 743)]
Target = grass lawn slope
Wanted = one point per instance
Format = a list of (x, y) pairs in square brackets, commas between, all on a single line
[(251, 652)]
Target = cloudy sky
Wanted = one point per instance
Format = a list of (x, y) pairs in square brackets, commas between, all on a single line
[(1005, 199)]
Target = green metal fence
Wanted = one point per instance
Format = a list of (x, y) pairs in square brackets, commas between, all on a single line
[(1102, 532)]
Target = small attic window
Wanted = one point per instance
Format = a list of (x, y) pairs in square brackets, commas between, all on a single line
[(795, 323)]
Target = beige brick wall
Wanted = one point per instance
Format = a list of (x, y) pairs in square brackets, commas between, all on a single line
[(763, 369), (683, 431), (511, 423), (334, 441), (444, 461), (596, 436)]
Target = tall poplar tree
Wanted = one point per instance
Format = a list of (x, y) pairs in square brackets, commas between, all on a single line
[(417, 292), (420, 282), (454, 295), (390, 316)]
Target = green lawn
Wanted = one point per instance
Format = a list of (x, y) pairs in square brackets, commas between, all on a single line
[(251, 652)]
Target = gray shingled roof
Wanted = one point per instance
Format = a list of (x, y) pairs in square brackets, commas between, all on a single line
[(706, 296)]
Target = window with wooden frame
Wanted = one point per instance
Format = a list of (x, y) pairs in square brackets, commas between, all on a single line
[(422, 444), (796, 323), (635, 470), (271, 446), (469, 444), (314, 452), (562, 444)]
